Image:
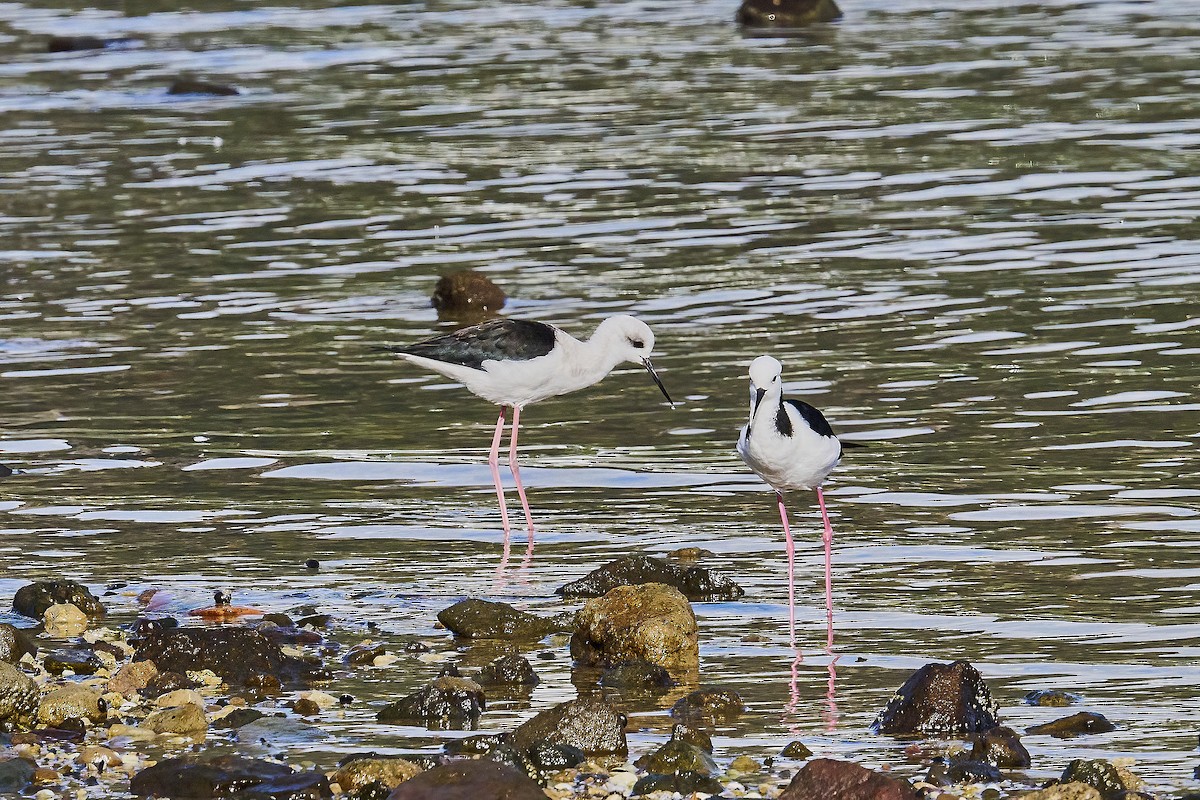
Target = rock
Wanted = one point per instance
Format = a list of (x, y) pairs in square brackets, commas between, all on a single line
[(469, 780), (1074, 725), (650, 622), (73, 701), (709, 706), (696, 737), (786, 13), (64, 620), (101, 758), (677, 756), (743, 766), (1051, 697), (190, 86), (275, 733), (15, 643), (592, 725), (550, 757), (477, 745), (364, 654), (179, 697), (827, 779), (360, 773), (973, 772), (1001, 747), (193, 777), (509, 670), (73, 44), (305, 708), (1065, 791), (165, 683), (75, 660), (940, 700), (236, 654), (301, 785), (33, 599), (181, 720), (132, 677), (449, 700), (636, 675), (696, 583), (484, 619), (237, 718), (19, 696), (15, 774), (468, 294), (686, 784), (1101, 776), (797, 750)]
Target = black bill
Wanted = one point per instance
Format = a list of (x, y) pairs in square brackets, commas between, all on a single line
[(657, 381)]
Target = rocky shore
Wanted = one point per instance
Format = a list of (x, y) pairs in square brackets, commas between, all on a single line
[(187, 707)]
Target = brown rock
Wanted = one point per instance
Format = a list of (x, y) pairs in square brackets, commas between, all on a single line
[(1000, 747), (592, 725), (467, 294), (72, 701), (1074, 725), (650, 622), (827, 779), (940, 700), (1065, 791), (786, 13), (132, 678), (184, 720), (356, 775), (469, 780)]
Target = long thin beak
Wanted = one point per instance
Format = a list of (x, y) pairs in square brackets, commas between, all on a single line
[(759, 394), (657, 381)]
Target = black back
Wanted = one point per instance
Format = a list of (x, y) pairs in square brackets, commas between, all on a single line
[(815, 419), (495, 340)]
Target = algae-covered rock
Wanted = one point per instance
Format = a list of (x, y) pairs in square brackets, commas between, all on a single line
[(485, 619), (651, 622), (940, 700), (592, 725), (33, 599), (1075, 725), (696, 583)]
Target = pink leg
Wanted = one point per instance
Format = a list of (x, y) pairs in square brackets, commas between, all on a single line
[(494, 463), (828, 562), (512, 464), (791, 553)]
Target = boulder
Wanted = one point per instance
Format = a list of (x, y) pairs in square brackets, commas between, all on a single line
[(696, 583), (676, 756), (651, 622), (510, 670), (686, 784), (358, 774), (224, 776), (33, 599), (64, 620), (1001, 747), (940, 700), (485, 619), (827, 779), (15, 643), (1106, 778), (1065, 791), (1074, 725), (236, 654), (19, 696), (450, 700), (469, 780), (636, 675), (72, 701), (592, 725), (708, 706), (185, 720)]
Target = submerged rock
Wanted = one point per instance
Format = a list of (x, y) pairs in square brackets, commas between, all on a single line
[(191, 86), (236, 654), (72, 44), (685, 783), (709, 706), (15, 774), (33, 599), (19, 696), (15, 643), (786, 13), (1051, 697), (223, 776), (940, 700), (676, 756), (637, 674), (827, 779), (1001, 747), (484, 619), (467, 294), (650, 622), (469, 780), (797, 749), (696, 583), (448, 700), (592, 725), (1075, 725), (510, 670)]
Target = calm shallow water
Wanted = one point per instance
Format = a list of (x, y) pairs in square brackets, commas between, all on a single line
[(967, 229)]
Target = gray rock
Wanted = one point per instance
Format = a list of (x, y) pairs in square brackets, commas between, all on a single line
[(15, 774), (15, 643), (19, 696), (592, 725)]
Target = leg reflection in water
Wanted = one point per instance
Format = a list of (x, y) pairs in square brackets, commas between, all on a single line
[(830, 713)]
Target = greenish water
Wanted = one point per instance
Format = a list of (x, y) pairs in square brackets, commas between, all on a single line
[(969, 231)]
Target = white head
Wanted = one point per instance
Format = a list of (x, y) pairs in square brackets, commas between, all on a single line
[(626, 338), (766, 375)]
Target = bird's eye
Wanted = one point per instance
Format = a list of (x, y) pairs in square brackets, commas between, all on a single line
[(637, 344)]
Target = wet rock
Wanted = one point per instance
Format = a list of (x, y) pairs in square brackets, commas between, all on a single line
[(516, 758), (550, 757), (469, 780), (827, 779), (683, 783), (690, 553), (1102, 776), (15, 643), (636, 675), (696, 583), (182, 720), (970, 771), (940, 700), (650, 622), (166, 682), (448, 700), (509, 670), (237, 718), (305, 708), (743, 766), (797, 750), (1065, 791), (75, 660), (1075, 725), (64, 620), (786, 13), (709, 706), (1001, 747), (179, 697), (99, 757), (364, 654), (6, 471), (274, 733), (33, 599), (74, 44), (193, 777), (132, 677), (363, 773), (19, 696), (191, 86), (15, 774), (301, 785), (73, 701), (592, 725), (694, 736), (478, 745), (468, 294), (484, 619), (676, 756), (1051, 697), (236, 654)]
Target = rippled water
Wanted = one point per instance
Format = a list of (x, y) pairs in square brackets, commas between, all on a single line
[(968, 230)]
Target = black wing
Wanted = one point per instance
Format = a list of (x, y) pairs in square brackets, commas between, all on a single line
[(496, 339), (814, 418)]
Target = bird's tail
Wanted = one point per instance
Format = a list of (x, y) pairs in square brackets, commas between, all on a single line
[(852, 443)]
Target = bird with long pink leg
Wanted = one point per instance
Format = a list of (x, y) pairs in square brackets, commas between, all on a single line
[(791, 446), (515, 362)]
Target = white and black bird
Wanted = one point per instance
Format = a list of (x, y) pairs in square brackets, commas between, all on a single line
[(792, 447), (515, 362)]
